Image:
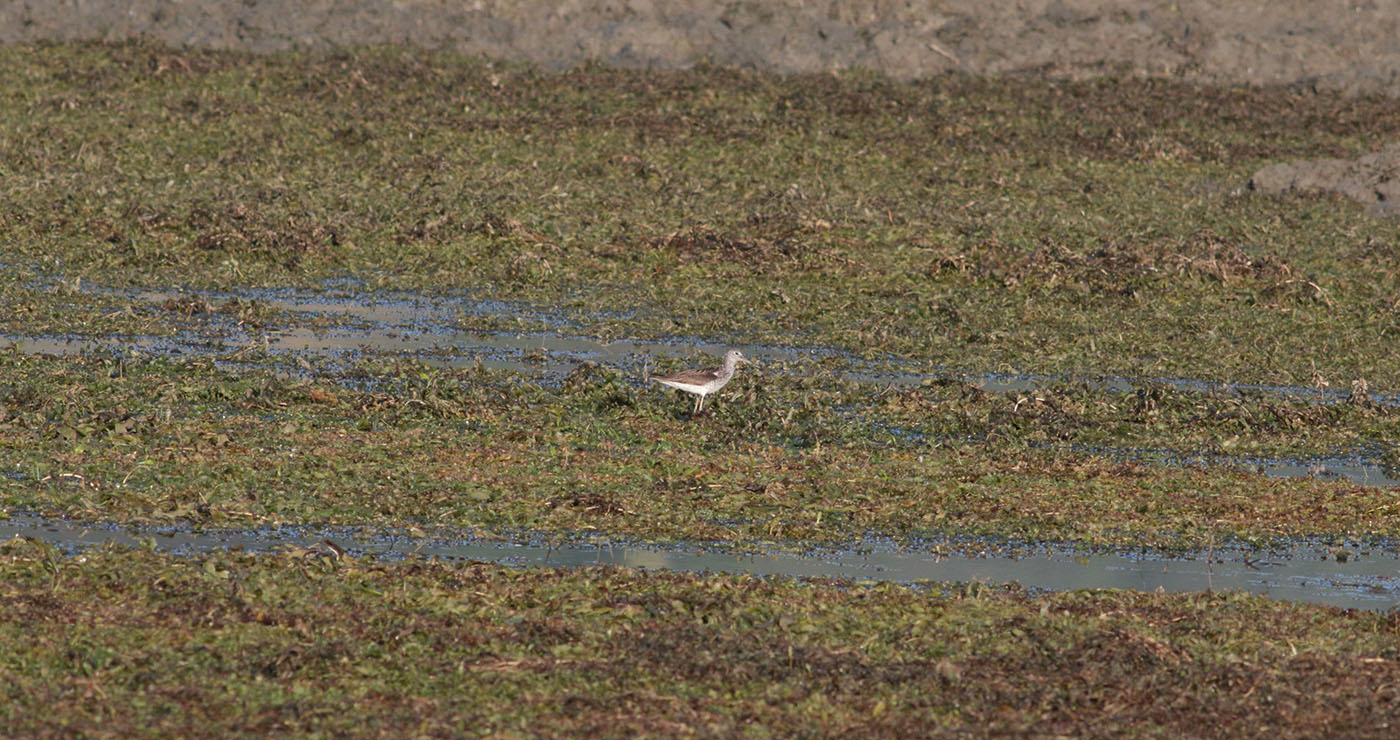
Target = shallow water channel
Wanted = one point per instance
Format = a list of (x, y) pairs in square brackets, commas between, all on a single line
[(1363, 578), (427, 327)]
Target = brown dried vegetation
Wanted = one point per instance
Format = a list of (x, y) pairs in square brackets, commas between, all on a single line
[(240, 230), (1203, 255)]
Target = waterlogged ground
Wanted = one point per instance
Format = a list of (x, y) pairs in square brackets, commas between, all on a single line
[(239, 428), (386, 288)]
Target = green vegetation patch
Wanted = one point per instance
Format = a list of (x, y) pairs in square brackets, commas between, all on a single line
[(774, 459), (128, 642)]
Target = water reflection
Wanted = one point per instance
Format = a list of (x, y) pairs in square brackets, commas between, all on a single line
[(1364, 578)]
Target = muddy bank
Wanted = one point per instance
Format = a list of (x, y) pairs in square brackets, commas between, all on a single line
[(1370, 180), (1331, 45)]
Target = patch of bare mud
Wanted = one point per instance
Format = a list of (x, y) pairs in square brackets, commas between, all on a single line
[(1321, 44), (1373, 179)]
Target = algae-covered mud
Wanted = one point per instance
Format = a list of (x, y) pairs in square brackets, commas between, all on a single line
[(384, 290), (131, 642)]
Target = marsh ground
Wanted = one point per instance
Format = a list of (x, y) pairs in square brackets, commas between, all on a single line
[(950, 226)]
